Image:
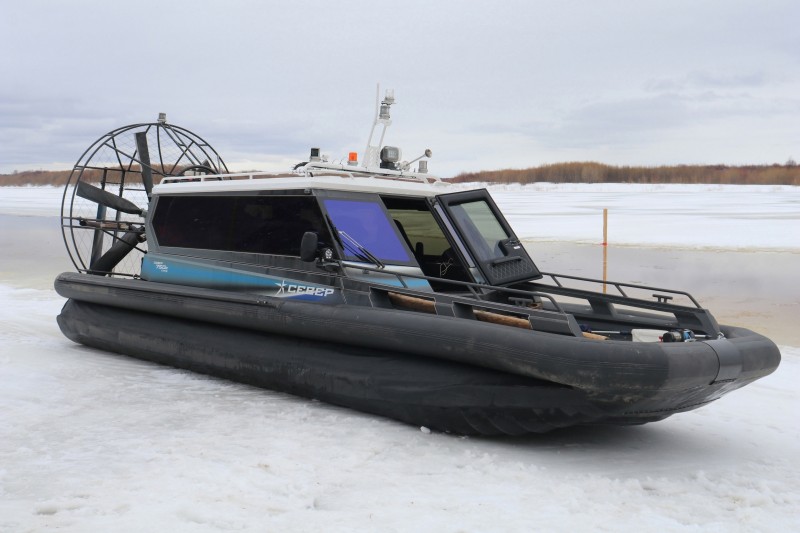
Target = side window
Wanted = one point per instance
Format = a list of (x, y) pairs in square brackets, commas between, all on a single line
[(255, 224), (193, 221), (366, 223), (416, 222), (422, 233), (274, 224)]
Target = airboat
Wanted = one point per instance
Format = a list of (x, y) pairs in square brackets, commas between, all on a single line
[(373, 285)]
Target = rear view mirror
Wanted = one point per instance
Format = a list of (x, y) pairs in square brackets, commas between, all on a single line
[(308, 246)]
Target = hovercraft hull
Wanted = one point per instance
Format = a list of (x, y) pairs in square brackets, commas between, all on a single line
[(442, 372)]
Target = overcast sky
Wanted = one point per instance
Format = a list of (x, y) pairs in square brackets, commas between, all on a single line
[(485, 85)]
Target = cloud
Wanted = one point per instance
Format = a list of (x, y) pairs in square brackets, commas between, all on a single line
[(708, 80), (268, 80)]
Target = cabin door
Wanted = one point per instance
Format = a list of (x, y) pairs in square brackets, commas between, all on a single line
[(489, 239)]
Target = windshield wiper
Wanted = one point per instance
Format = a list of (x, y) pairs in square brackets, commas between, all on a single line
[(359, 251)]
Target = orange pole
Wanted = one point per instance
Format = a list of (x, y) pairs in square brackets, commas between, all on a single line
[(605, 248)]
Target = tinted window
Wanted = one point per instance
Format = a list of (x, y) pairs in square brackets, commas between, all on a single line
[(367, 224), (256, 224)]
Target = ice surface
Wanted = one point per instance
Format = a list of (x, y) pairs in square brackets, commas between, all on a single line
[(96, 442), (675, 216), (91, 441), (688, 216), (31, 201)]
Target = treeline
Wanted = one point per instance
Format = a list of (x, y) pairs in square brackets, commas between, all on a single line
[(590, 172), (60, 177), (35, 177)]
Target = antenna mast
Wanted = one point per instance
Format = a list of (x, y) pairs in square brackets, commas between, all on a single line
[(382, 116)]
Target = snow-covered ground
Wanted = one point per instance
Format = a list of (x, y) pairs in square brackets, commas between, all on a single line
[(91, 441)]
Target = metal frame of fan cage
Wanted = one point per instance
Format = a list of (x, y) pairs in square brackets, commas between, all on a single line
[(102, 222)]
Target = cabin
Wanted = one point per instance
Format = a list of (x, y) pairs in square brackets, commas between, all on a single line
[(393, 231)]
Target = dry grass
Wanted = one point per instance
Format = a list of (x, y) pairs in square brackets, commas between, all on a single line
[(575, 172), (60, 177), (35, 177), (590, 172)]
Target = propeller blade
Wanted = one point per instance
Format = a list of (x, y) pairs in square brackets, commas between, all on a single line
[(116, 253), (144, 160), (90, 192)]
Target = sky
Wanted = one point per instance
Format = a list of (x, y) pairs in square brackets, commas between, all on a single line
[(484, 85)]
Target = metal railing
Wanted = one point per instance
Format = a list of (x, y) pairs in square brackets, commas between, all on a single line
[(601, 305), (310, 170), (619, 285)]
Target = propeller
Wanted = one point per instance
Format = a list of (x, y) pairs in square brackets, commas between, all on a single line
[(111, 187), (106, 262), (99, 196), (144, 162)]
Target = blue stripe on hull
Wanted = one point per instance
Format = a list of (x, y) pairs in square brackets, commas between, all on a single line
[(165, 269)]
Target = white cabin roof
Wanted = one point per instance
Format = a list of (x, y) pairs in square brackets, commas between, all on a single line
[(271, 182)]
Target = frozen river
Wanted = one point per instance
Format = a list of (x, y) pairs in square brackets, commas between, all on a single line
[(735, 248)]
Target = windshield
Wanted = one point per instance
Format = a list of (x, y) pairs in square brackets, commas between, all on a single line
[(483, 229), (366, 228)]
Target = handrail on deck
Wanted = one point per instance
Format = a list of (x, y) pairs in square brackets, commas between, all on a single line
[(618, 285), (471, 286), (476, 289)]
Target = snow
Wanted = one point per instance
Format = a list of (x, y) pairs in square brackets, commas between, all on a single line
[(91, 441), (753, 217), (31, 201), (731, 217)]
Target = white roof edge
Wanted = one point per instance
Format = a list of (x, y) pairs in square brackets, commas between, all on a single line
[(337, 183)]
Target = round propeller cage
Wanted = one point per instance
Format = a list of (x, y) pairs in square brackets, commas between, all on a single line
[(105, 202)]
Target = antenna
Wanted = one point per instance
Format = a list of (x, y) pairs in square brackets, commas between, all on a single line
[(382, 116)]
